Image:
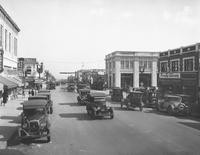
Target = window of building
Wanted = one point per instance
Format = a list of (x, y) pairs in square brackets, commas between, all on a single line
[(131, 64), (110, 65), (122, 64), (9, 42), (188, 64), (6, 39), (15, 46), (1, 35), (149, 64), (127, 64), (175, 65), (164, 66), (113, 64)]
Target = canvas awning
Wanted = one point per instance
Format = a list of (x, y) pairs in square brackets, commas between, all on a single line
[(7, 82)]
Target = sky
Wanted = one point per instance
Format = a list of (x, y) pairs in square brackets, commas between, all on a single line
[(67, 35)]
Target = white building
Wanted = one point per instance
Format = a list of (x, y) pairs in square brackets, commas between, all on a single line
[(131, 69), (8, 43)]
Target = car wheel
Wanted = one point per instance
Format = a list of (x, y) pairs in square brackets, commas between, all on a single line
[(141, 108), (48, 138), (121, 105), (51, 110), (169, 110)]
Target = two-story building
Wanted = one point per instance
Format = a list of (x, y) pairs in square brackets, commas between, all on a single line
[(131, 69), (179, 70), (8, 46)]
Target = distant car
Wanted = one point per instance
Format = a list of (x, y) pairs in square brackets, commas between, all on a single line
[(133, 100), (97, 107), (116, 94), (82, 97), (70, 88), (35, 122), (173, 105)]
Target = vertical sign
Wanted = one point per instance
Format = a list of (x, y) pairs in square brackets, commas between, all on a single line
[(1, 59)]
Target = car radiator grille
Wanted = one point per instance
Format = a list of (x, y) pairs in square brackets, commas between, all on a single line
[(34, 126)]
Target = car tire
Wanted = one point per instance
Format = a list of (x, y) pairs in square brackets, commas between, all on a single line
[(48, 139), (51, 110), (121, 105), (141, 108), (169, 110)]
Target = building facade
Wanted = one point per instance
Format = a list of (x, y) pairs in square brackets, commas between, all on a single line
[(131, 69), (8, 45), (179, 71)]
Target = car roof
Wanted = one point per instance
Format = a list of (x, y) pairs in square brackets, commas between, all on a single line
[(84, 90), (37, 97), (44, 90), (168, 95), (33, 104), (43, 94), (97, 94)]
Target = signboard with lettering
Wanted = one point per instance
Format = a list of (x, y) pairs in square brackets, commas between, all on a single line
[(170, 75), (1, 60)]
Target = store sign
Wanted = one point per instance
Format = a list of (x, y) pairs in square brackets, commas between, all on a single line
[(170, 75), (1, 60)]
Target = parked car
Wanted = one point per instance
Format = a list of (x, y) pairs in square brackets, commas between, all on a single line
[(82, 97), (35, 122), (116, 94), (133, 100), (97, 107), (70, 87), (43, 97), (173, 104), (50, 102), (82, 86)]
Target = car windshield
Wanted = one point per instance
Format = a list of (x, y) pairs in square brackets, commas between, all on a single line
[(175, 99), (31, 112)]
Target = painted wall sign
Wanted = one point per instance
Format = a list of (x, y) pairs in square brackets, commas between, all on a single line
[(170, 75)]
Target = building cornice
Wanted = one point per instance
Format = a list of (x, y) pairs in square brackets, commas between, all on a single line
[(9, 18)]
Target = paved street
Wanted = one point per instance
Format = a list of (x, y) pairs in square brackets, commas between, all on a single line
[(129, 133)]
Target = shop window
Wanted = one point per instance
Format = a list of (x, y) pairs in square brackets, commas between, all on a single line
[(131, 64), (113, 64), (188, 64), (164, 66), (175, 65), (127, 64), (122, 64)]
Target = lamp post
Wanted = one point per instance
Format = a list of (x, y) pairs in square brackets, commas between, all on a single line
[(40, 68)]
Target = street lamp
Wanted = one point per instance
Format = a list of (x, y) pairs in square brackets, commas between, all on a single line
[(40, 68)]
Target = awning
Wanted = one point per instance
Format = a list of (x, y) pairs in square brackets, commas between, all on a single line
[(15, 81), (7, 82)]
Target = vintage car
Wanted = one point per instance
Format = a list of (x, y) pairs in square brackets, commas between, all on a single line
[(82, 98), (134, 99), (97, 106), (50, 102), (82, 86), (35, 122), (116, 94), (43, 97), (70, 87), (173, 105)]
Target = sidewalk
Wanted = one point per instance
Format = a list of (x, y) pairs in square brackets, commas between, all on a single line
[(9, 119)]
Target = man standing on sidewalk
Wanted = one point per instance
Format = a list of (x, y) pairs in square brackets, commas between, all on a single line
[(5, 96)]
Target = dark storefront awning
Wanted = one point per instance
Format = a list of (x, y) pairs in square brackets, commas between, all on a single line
[(7, 82)]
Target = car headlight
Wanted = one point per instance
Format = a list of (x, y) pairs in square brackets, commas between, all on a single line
[(25, 125), (43, 124), (98, 108)]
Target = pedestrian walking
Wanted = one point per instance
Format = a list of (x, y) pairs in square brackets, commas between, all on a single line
[(29, 92), (5, 97), (32, 92), (23, 93)]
